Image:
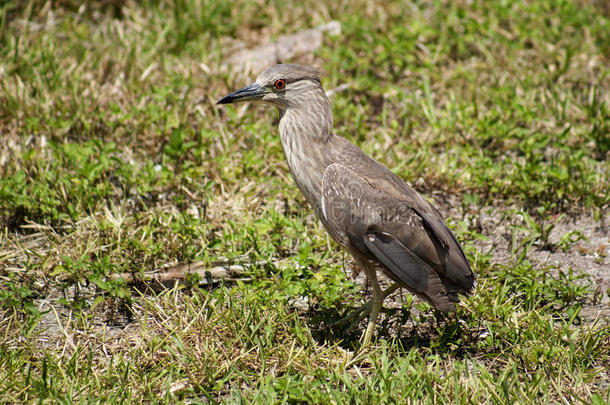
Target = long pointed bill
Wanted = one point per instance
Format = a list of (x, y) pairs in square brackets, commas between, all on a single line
[(251, 92)]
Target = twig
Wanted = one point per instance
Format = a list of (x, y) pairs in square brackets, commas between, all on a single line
[(222, 269), (180, 272)]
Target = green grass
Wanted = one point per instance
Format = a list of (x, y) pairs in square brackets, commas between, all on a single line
[(114, 158)]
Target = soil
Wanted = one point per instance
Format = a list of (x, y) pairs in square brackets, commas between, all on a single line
[(590, 256)]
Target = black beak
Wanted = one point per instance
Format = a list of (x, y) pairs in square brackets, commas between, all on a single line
[(251, 92)]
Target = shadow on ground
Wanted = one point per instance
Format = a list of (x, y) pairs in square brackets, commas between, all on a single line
[(409, 329)]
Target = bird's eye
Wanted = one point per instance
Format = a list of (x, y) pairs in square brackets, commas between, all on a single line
[(280, 84)]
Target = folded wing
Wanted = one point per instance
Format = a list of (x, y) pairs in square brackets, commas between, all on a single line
[(409, 239)]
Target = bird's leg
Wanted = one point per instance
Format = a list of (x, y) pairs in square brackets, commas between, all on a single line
[(373, 308), (376, 303), (365, 310), (358, 314), (390, 290)]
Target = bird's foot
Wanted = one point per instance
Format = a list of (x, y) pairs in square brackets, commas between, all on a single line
[(358, 314), (376, 307)]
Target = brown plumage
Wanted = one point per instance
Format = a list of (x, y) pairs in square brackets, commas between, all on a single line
[(368, 210)]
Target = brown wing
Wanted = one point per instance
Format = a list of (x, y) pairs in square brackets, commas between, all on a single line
[(361, 214), (447, 256)]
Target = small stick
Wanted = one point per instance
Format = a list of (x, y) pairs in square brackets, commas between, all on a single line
[(181, 271)]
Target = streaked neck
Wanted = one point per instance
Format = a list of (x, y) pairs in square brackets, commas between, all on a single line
[(305, 132)]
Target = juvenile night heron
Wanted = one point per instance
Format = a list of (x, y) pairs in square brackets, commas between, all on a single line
[(380, 220)]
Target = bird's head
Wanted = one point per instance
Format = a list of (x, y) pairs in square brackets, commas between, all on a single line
[(285, 86)]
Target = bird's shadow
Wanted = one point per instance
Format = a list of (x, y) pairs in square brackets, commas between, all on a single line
[(406, 327)]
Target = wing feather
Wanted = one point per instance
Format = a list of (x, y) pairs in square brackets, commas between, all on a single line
[(412, 245), (403, 263)]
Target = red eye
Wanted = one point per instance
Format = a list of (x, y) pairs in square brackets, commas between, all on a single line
[(280, 84)]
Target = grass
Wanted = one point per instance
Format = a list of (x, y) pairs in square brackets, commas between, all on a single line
[(115, 159)]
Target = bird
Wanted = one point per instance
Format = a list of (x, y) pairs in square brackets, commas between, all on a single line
[(386, 225)]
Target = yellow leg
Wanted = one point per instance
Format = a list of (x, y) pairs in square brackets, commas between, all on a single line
[(375, 308), (365, 310), (372, 308), (376, 304), (355, 316)]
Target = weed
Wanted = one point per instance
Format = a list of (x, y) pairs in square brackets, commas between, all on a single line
[(115, 159)]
